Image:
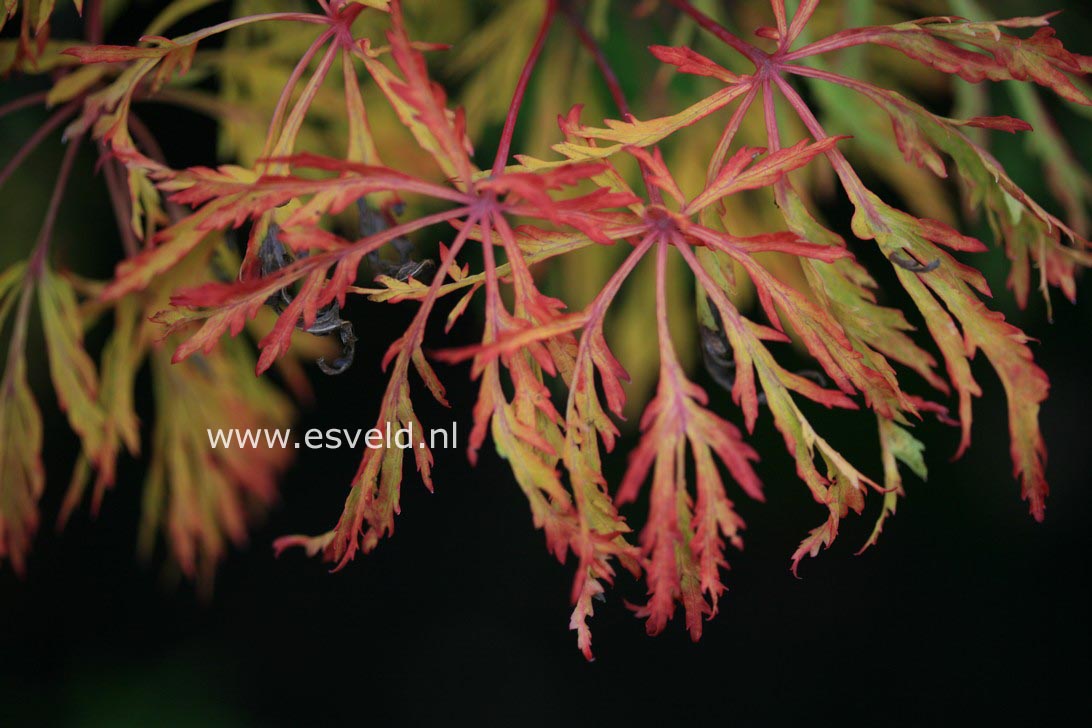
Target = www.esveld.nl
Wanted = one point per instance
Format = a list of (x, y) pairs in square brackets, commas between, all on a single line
[(334, 438)]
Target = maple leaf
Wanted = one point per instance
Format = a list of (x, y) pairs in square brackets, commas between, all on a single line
[(994, 54), (420, 103), (927, 272), (897, 445), (201, 497), (232, 197), (1028, 231), (121, 360), (72, 370), (20, 433), (1025, 384), (735, 211), (683, 538)]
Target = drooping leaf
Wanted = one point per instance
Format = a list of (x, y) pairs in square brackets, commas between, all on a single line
[(73, 372)]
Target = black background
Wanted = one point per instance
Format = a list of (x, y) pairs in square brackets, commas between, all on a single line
[(967, 609)]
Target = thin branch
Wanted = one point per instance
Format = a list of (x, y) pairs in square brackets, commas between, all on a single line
[(41, 247), (93, 31), (22, 103), (17, 346), (751, 53), (521, 88), (38, 137)]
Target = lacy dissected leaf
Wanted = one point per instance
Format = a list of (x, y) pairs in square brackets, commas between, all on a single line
[(601, 534), (1031, 235), (373, 500), (121, 359), (897, 445), (956, 285), (525, 427), (842, 487), (71, 369), (323, 280), (230, 195), (22, 474), (221, 308), (145, 71), (21, 460), (847, 291), (821, 333), (198, 495), (421, 103), (683, 538), (993, 55), (531, 339)]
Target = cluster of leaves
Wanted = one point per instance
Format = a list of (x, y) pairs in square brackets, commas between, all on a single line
[(551, 390)]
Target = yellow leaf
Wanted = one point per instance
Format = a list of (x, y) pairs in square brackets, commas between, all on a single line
[(646, 133), (71, 85), (72, 371)]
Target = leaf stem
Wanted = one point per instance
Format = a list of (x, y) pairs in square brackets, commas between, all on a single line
[(505, 145), (852, 183), (610, 78), (596, 312), (275, 124)]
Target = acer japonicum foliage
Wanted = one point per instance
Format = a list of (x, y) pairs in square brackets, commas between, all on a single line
[(339, 144)]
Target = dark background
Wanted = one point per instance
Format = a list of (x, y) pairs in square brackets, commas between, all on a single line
[(967, 609)]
